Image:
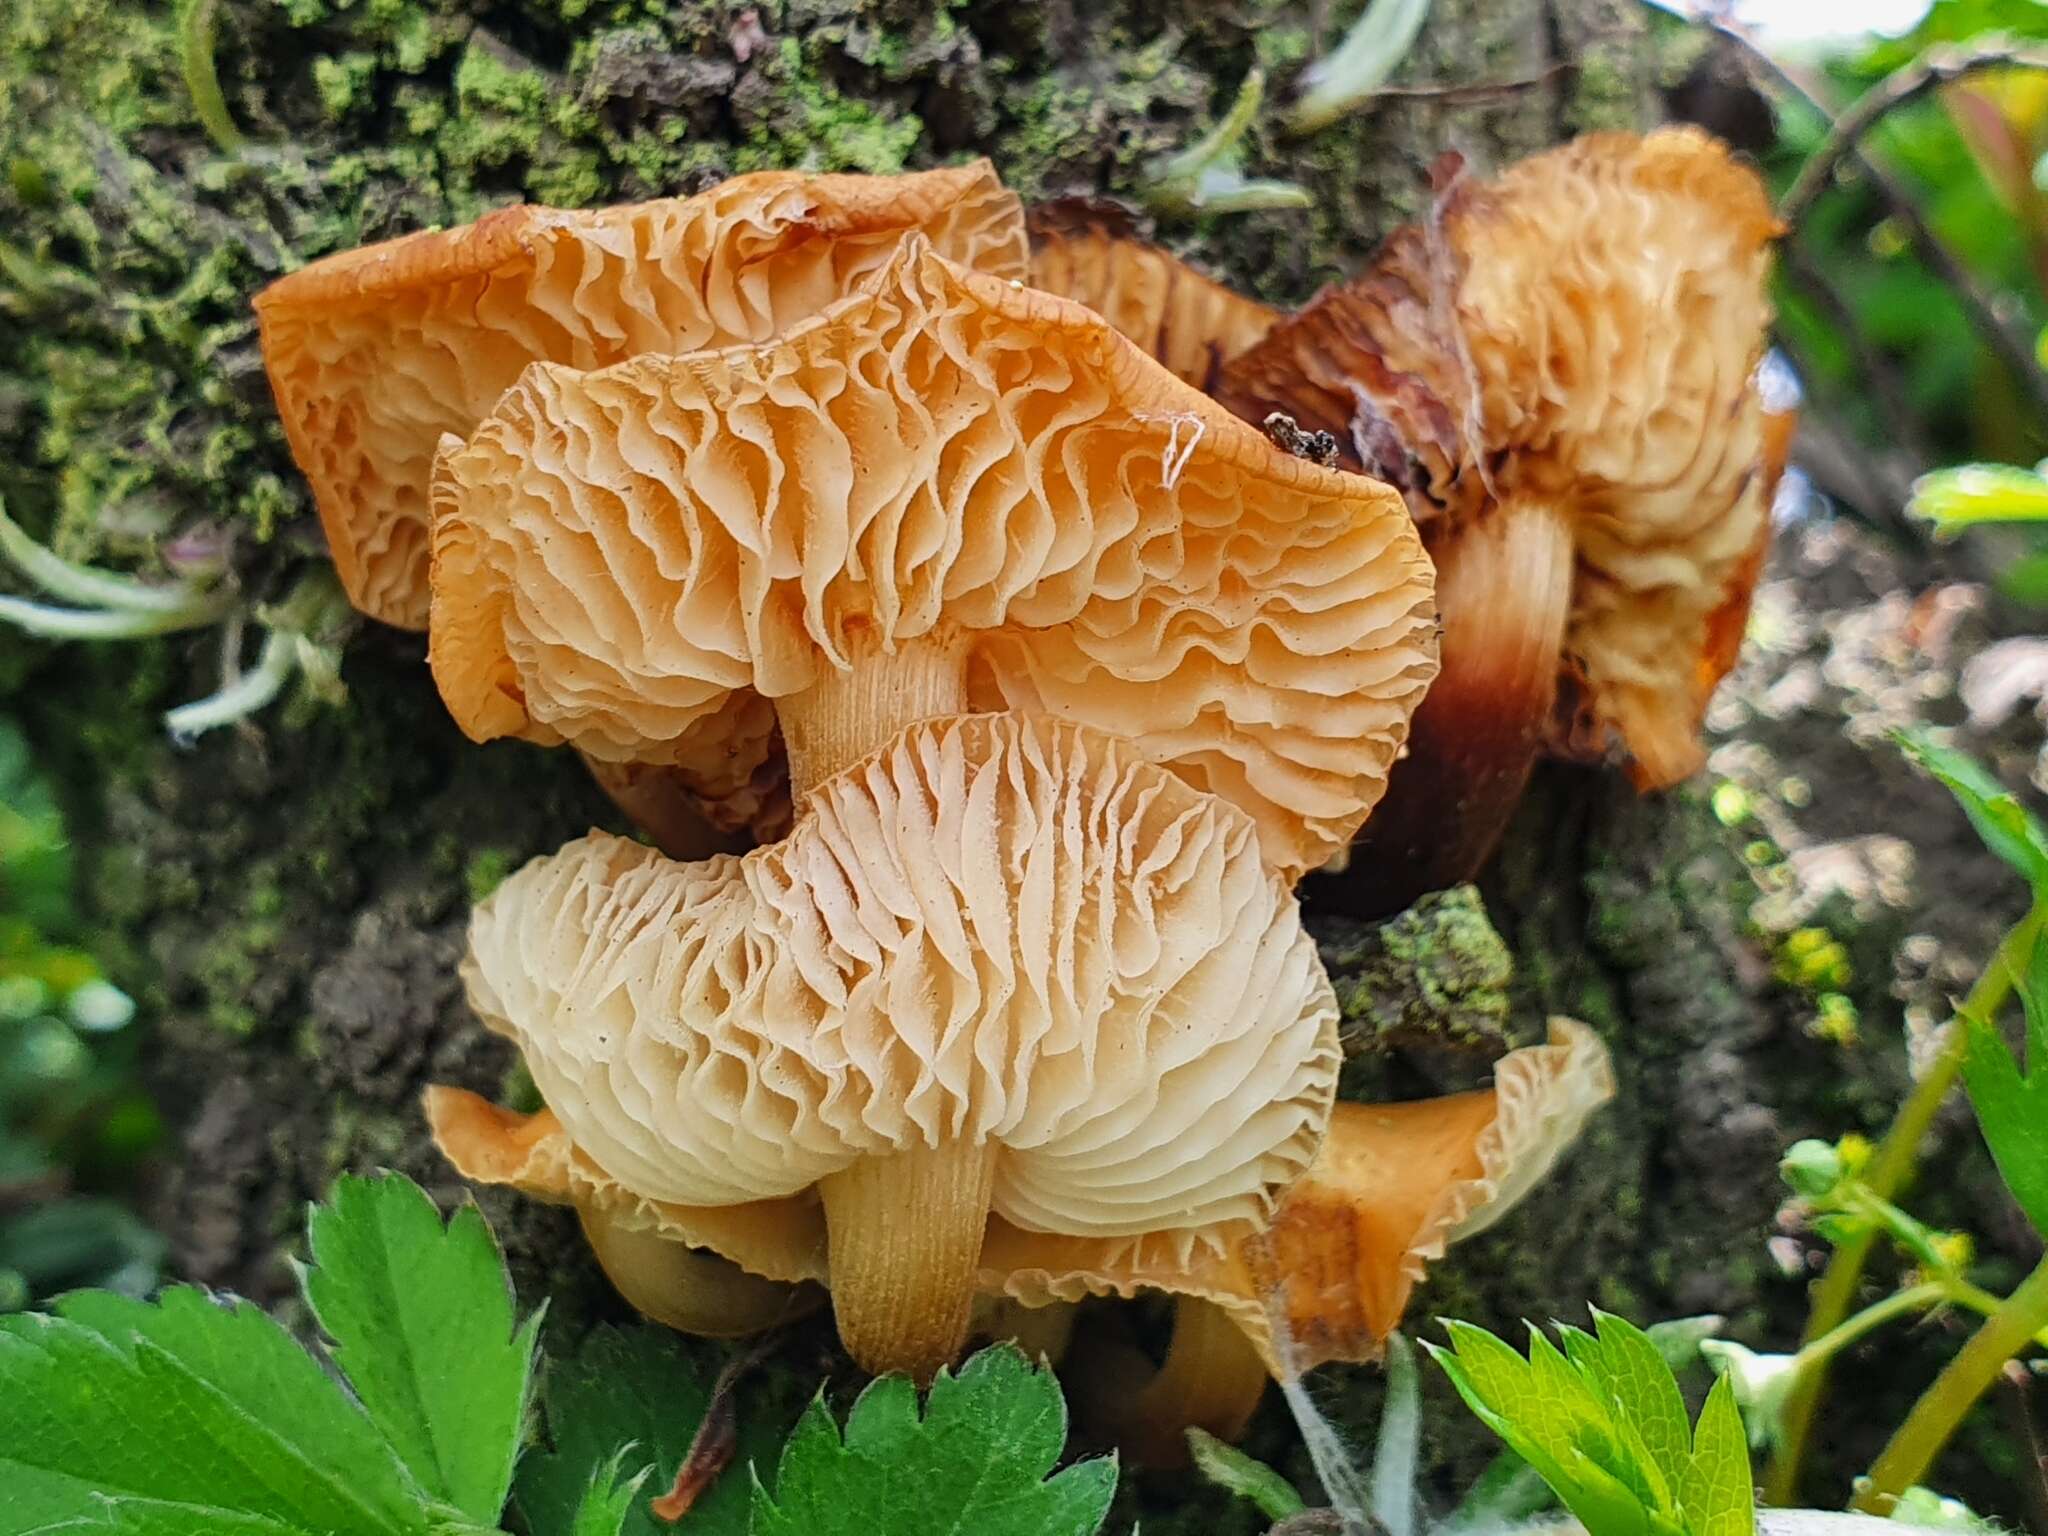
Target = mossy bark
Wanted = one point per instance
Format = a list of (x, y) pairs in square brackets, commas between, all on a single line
[(289, 898)]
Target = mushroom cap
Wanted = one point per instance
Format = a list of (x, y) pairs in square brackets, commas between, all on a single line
[(1584, 332), (1086, 251), (996, 929), (374, 353), (622, 556), (1393, 1186)]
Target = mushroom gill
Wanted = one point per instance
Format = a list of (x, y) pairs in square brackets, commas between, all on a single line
[(943, 492), (1001, 965), (1391, 1187), (1087, 251), (944, 495), (1559, 370), (374, 353)]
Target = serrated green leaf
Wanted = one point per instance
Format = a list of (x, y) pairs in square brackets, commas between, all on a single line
[(1719, 1493), (422, 1320), (1248, 1478), (646, 1388), (2012, 1107), (109, 1425), (1588, 1427), (975, 1464), (609, 1499), (2005, 826), (1627, 1366)]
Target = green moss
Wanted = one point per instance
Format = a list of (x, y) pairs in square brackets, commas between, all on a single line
[(486, 871), (1438, 973)]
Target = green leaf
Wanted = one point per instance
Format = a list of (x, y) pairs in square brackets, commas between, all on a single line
[(2011, 1104), (1959, 498), (642, 1387), (1626, 1364), (185, 1416), (1250, 1479), (421, 1317), (1720, 1496), (2005, 826), (609, 1501), (975, 1464)]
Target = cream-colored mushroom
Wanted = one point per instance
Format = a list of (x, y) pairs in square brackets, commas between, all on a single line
[(1559, 369), (1003, 964)]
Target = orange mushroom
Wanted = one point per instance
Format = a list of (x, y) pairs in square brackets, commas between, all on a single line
[(1088, 251), (1003, 961), (374, 354), (1559, 370)]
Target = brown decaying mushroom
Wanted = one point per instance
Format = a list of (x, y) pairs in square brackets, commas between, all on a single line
[(1088, 251), (1003, 961), (1559, 370)]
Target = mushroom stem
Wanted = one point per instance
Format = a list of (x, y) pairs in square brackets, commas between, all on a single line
[(1504, 586), (905, 1233), (656, 801), (692, 1292), (1212, 1379), (856, 707)]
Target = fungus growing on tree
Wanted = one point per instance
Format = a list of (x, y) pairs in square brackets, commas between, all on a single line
[(1087, 251), (1075, 672), (1558, 369), (945, 493)]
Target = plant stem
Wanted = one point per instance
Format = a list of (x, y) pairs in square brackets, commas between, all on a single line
[(1889, 1171), (1813, 1356), (1955, 1391)]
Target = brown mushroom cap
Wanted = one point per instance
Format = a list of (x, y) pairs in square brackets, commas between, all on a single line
[(1577, 340), (1192, 324), (374, 353), (622, 557), (997, 930)]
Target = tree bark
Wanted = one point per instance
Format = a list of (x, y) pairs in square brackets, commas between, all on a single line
[(289, 898)]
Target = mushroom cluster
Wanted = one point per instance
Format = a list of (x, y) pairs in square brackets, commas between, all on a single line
[(1026, 681)]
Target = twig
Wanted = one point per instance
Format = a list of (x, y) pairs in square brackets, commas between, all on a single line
[(2014, 350), (718, 1436), (1936, 67), (1481, 92), (1901, 425)]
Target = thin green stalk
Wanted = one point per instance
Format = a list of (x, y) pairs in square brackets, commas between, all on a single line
[(1942, 1406), (202, 78), (1891, 1168), (1814, 1356)]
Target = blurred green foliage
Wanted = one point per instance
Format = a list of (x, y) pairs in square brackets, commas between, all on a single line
[(72, 1121), (1971, 155)]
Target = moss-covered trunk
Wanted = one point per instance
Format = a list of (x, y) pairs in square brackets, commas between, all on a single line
[(292, 895)]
